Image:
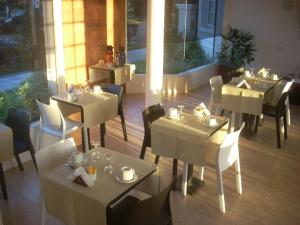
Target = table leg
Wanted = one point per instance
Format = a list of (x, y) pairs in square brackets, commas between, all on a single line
[(232, 122), (185, 179)]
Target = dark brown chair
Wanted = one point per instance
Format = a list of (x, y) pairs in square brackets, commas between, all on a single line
[(277, 112), (151, 114), (19, 121), (117, 90), (155, 210)]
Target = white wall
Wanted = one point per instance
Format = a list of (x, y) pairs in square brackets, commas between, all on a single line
[(176, 83), (276, 25)]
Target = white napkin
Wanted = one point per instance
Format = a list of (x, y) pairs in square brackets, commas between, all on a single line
[(80, 172), (244, 83), (97, 89), (263, 71), (201, 110)]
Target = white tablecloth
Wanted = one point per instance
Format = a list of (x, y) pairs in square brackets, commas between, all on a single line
[(182, 139), (96, 108), (6, 143), (122, 75), (244, 100), (74, 204)]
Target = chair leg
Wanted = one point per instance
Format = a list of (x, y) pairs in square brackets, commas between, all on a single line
[(2, 182), (19, 162), (143, 151), (256, 123), (238, 176), (175, 165), (285, 124), (102, 134), (278, 132), (220, 190), (33, 159), (288, 111), (202, 173), (123, 123), (156, 159)]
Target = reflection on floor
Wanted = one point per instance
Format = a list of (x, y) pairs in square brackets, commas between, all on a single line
[(270, 176)]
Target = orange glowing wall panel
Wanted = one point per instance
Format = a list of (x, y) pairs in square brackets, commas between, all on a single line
[(73, 25)]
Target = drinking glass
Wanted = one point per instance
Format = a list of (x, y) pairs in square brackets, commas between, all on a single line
[(108, 167), (180, 107)]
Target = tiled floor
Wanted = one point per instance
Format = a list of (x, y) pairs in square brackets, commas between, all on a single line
[(270, 176)]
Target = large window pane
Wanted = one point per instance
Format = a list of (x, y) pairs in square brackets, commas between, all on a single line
[(192, 33)]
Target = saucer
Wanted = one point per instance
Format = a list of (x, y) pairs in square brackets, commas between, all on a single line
[(75, 165), (206, 124), (135, 178)]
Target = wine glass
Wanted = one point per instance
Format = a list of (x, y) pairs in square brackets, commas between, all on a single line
[(180, 107), (108, 167)]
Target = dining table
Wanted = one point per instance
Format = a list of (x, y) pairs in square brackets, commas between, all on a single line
[(248, 100), (73, 203), (119, 75), (184, 138), (95, 108)]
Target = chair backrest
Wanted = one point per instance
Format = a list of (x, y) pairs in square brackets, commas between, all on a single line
[(229, 149), (281, 87), (55, 154), (114, 89), (216, 84), (151, 114), (280, 107), (151, 210), (51, 116), (19, 121)]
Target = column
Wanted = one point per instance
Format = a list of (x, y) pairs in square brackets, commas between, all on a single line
[(155, 50)]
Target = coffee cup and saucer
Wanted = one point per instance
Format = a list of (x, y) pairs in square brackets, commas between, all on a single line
[(77, 159), (211, 122), (127, 175)]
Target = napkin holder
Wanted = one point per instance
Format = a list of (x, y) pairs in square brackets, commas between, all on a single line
[(243, 84), (81, 177), (80, 181)]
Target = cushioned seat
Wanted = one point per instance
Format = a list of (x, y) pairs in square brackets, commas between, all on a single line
[(19, 147)]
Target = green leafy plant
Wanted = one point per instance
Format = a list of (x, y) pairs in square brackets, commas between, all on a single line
[(35, 87), (8, 99), (238, 48)]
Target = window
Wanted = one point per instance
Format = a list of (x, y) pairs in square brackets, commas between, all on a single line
[(192, 36)]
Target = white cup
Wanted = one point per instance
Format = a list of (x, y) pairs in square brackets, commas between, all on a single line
[(77, 157), (97, 89), (173, 112), (247, 73), (274, 76), (127, 173), (212, 122)]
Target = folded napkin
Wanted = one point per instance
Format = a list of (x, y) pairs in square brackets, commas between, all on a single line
[(243, 84), (264, 72), (201, 110), (97, 89), (81, 177)]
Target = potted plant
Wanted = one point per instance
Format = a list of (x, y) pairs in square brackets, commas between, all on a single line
[(238, 49)]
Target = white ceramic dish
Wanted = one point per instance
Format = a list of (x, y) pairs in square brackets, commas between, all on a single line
[(206, 124), (135, 178), (75, 165)]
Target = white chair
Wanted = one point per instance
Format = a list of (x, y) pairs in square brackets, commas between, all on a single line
[(221, 153), (54, 123), (50, 157), (216, 84)]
